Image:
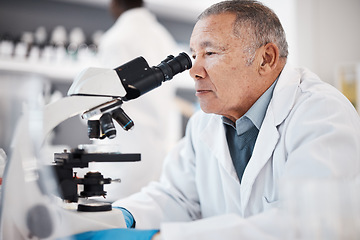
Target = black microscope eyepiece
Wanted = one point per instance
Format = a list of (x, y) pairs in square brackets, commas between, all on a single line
[(139, 78)]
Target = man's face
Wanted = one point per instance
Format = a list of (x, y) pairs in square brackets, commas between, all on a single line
[(224, 83)]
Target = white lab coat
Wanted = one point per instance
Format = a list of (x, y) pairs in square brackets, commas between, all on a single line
[(137, 33), (310, 130)]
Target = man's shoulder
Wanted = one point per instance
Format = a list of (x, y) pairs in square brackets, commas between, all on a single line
[(315, 89)]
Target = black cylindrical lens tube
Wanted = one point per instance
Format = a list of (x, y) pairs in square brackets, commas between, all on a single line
[(93, 129), (174, 65), (107, 126), (123, 119)]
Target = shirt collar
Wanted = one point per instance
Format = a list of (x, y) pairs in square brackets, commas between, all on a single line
[(255, 115)]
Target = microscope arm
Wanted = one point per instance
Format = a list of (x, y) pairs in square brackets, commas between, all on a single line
[(57, 112)]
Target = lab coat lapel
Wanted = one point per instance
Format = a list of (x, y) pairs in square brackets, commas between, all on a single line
[(263, 149), (279, 108)]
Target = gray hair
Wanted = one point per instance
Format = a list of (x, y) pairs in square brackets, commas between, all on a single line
[(259, 21)]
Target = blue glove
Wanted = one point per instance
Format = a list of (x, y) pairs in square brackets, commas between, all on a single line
[(128, 217), (116, 233)]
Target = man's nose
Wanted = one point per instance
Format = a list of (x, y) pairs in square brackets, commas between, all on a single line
[(197, 72)]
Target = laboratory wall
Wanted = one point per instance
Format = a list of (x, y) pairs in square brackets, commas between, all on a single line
[(328, 35), (323, 35)]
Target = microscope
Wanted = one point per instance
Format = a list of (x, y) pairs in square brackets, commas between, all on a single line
[(136, 78), (28, 208)]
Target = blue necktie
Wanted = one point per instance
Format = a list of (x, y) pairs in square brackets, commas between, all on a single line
[(241, 147)]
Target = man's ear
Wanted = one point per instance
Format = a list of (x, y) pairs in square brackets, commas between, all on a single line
[(270, 58)]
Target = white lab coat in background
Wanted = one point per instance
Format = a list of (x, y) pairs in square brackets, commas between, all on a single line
[(310, 131), (137, 33)]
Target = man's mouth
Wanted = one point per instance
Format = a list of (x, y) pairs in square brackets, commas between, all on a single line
[(201, 92)]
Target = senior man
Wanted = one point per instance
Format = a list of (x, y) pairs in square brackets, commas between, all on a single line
[(262, 121)]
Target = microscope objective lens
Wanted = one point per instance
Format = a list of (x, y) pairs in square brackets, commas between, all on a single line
[(107, 126)]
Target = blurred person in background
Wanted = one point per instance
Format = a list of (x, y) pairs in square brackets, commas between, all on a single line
[(136, 32)]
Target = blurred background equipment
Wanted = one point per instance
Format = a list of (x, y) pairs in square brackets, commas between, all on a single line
[(348, 81)]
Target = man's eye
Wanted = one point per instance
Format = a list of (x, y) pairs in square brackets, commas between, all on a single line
[(210, 53)]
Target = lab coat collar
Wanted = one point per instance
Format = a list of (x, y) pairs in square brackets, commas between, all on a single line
[(284, 93), (279, 108)]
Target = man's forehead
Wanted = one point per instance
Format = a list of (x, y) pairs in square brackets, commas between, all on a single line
[(202, 36), (215, 39), (214, 24)]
